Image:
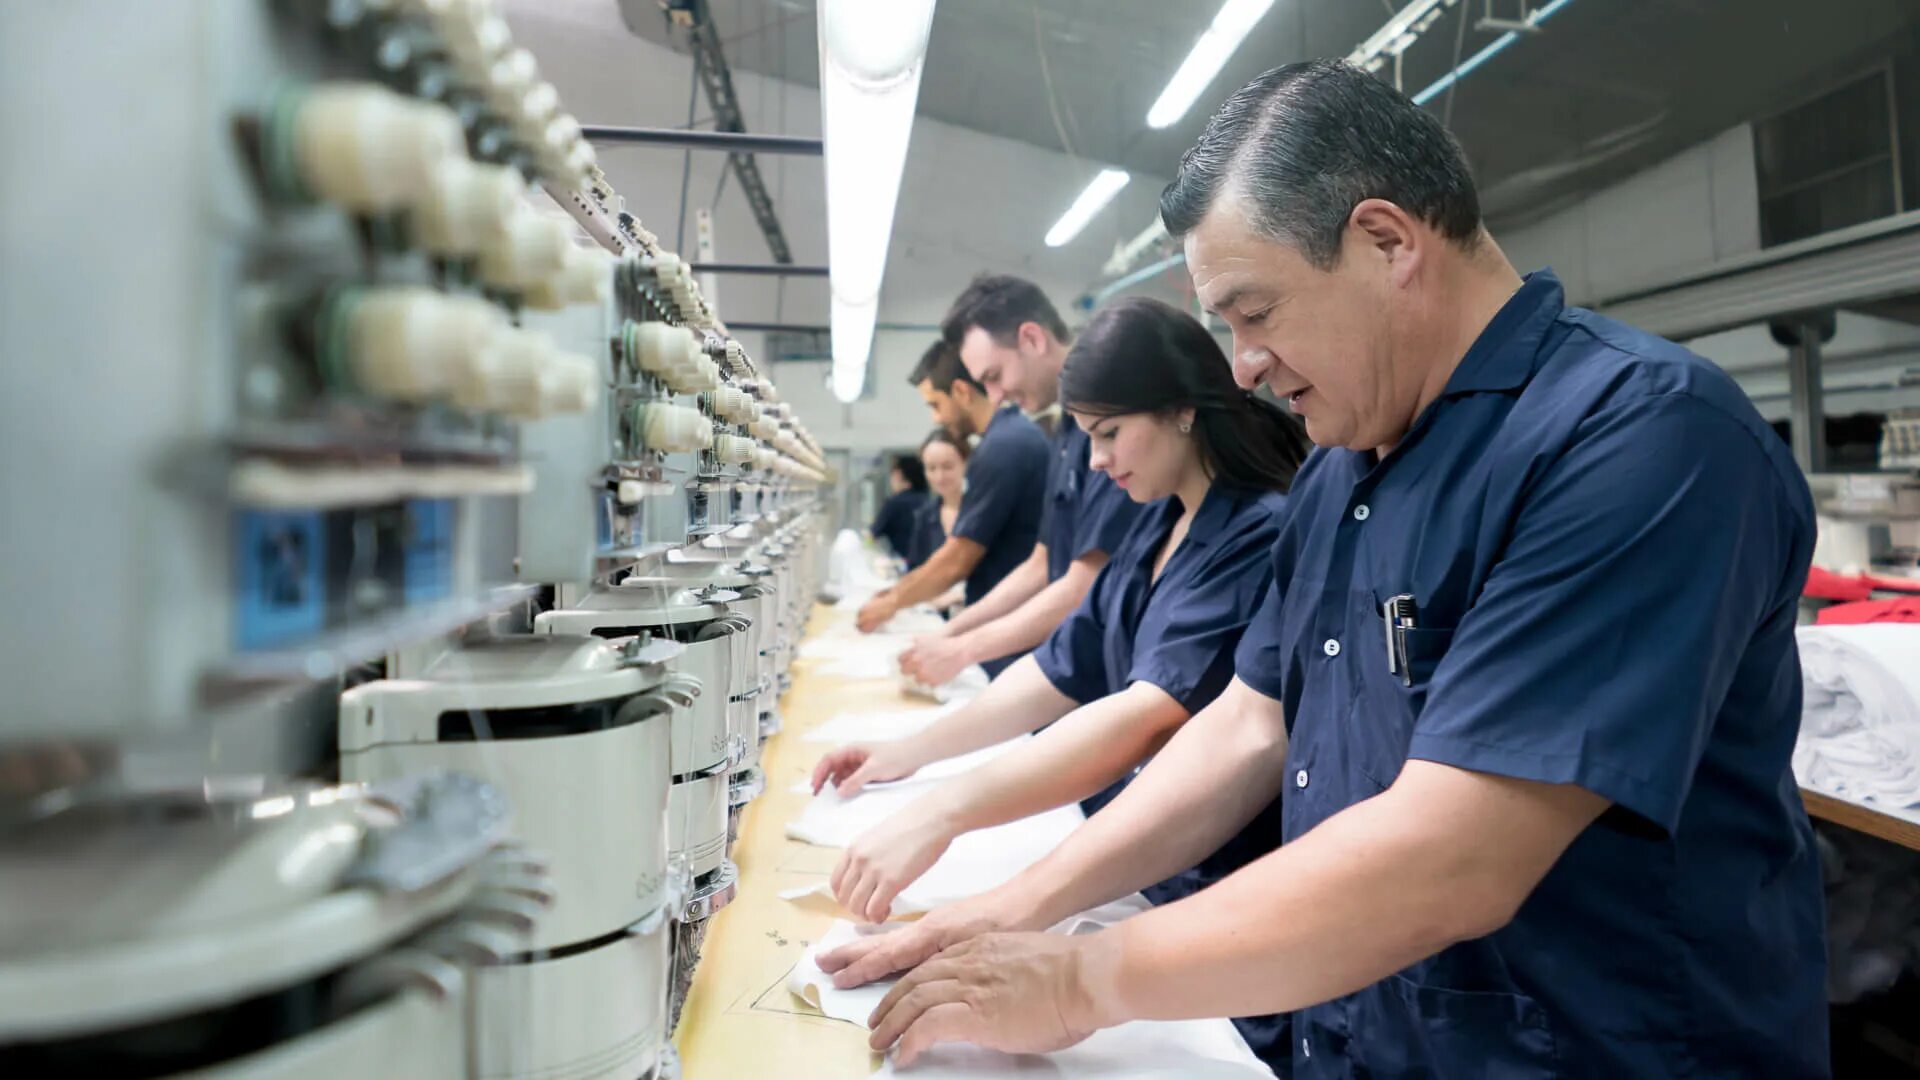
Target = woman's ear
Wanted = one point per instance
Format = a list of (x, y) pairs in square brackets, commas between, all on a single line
[(1184, 420)]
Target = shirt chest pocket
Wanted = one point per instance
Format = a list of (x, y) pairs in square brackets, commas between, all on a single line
[(1391, 681)]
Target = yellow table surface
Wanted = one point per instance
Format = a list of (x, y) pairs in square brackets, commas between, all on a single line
[(739, 1020)]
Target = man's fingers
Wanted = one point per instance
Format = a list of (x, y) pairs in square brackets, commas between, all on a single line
[(889, 953), (949, 1021), (897, 1014), (835, 959), (938, 969)]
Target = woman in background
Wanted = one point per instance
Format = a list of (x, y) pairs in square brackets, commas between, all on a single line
[(907, 498), (943, 462)]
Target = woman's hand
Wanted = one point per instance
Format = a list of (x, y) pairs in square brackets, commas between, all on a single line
[(854, 766), (889, 857)]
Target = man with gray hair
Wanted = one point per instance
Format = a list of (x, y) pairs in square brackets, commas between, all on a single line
[(1526, 683)]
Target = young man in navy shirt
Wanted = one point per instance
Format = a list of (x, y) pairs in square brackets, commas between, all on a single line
[(1013, 342), (1000, 512)]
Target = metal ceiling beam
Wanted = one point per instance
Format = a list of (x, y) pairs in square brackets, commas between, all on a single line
[(760, 269), (711, 63), (735, 142)]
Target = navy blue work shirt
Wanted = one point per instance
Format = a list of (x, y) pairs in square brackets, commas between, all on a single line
[(1006, 488), (927, 535), (1085, 511), (1178, 633), (1606, 545), (899, 519)]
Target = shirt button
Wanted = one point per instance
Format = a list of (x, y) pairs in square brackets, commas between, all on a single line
[(1300, 778), (1360, 512), (1305, 1050), (1331, 648)]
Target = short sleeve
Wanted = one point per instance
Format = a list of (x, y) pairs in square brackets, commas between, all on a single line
[(992, 498), (1606, 638), (1188, 648), (1072, 658), (1105, 516), (1259, 660)]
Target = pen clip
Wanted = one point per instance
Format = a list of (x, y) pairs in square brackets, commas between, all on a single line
[(1399, 614)]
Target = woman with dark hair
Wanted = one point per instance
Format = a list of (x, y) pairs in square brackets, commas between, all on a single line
[(907, 498), (1152, 643), (943, 462), (1150, 646)]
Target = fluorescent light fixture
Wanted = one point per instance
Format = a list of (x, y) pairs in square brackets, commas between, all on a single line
[(1397, 33), (1209, 55), (871, 55), (1097, 195)]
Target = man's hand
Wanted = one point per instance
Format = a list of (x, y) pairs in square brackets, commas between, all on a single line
[(875, 612), (936, 662), (1017, 993), (853, 767), (887, 858), (877, 956)]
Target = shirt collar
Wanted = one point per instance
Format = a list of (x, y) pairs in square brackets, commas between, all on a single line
[(1214, 516), (1503, 356)]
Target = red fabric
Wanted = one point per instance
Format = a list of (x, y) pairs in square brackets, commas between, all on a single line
[(1891, 584), (1827, 585), (1905, 609)]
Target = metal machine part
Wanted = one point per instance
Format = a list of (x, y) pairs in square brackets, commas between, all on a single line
[(577, 735), (578, 732), (287, 931), (707, 745)]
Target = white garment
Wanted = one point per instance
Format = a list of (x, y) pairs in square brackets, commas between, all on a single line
[(880, 726), (1860, 717), (1186, 1050), (966, 686), (851, 571), (975, 862)]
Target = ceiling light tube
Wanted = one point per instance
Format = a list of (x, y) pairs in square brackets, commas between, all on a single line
[(1096, 196), (871, 56), (1209, 55)]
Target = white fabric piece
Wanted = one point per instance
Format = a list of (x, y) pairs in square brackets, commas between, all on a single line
[(1860, 717), (838, 647), (939, 770), (1144, 1050), (866, 660), (964, 687), (878, 726), (851, 570), (975, 862)]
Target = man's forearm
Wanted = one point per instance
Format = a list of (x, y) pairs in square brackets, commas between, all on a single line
[(1019, 701), (1219, 770), (1013, 590), (1085, 751), (950, 564), (1445, 857), (1028, 625)]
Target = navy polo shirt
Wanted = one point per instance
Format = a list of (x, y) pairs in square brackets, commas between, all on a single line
[(1178, 633), (1085, 510), (899, 519), (1606, 545), (927, 535), (1006, 488)]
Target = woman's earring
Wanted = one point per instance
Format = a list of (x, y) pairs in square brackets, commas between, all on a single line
[(1186, 427)]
